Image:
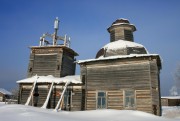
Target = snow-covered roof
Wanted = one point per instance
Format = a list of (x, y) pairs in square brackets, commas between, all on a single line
[(117, 57), (121, 47), (171, 97), (121, 22), (49, 79), (56, 46), (5, 92), (121, 44), (116, 24)]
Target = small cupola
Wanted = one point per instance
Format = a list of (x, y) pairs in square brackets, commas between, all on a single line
[(121, 29), (121, 41)]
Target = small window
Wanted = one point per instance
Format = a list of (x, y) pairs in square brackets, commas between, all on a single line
[(30, 69), (128, 35), (101, 100), (129, 99), (58, 67), (83, 79)]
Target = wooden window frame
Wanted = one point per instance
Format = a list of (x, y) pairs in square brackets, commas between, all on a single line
[(128, 35), (124, 100), (97, 100)]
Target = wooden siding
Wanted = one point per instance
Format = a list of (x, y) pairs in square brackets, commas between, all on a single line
[(144, 101), (56, 61), (45, 61), (43, 92), (55, 96), (76, 99), (91, 100), (112, 77), (43, 89), (120, 33), (115, 76), (68, 66), (24, 93), (170, 102), (115, 100), (45, 64), (164, 102), (25, 90), (155, 91)]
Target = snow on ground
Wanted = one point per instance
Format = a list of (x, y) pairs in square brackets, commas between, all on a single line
[(15, 112), (171, 112)]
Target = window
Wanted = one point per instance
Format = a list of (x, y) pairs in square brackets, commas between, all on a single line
[(67, 100), (58, 67), (83, 79), (101, 100), (128, 35), (129, 99), (36, 96), (112, 35)]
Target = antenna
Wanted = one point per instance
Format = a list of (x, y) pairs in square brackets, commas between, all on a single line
[(54, 36), (56, 27), (56, 23)]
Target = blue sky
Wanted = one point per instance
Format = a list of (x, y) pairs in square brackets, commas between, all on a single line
[(22, 22)]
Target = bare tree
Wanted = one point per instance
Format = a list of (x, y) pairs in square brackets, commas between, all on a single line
[(175, 90), (15, 92), (177, 76)]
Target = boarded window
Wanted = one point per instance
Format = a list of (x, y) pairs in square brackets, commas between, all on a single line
[(129, 99), (83, 79), (101, 100), (128, 35), (112, 35)]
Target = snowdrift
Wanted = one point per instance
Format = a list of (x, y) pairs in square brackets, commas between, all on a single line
[(27, 113)]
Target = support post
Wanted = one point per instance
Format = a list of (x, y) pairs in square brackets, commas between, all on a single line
[(60, 100), (31, 93), (48, 96)]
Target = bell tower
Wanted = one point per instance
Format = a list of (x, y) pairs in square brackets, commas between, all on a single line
[(52, 57), (121, 29)]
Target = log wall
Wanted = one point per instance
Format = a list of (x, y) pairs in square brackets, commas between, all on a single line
[(144, 100), (115, 99), (116, 76), (56, 61), (155, 88), (43, 89), (77, 101), (68, 66), (45, 61)]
